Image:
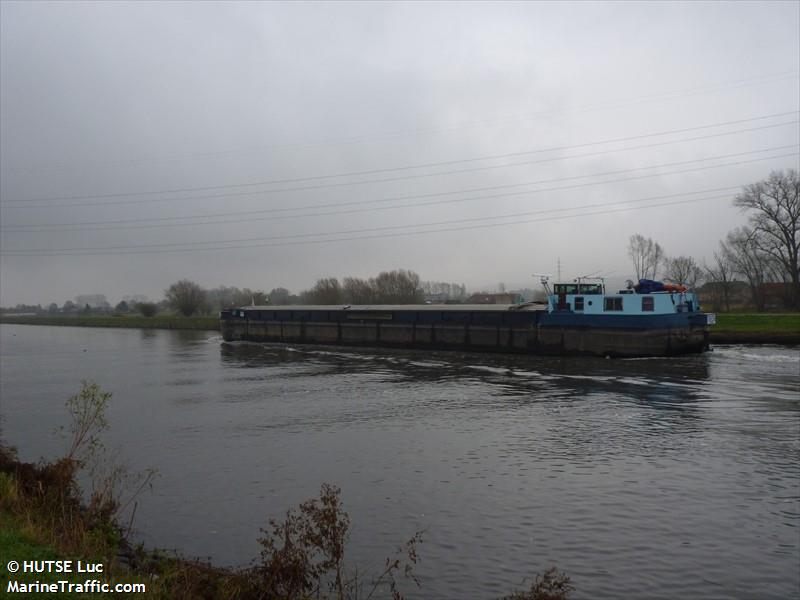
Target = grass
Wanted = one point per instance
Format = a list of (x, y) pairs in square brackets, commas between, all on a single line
[(756, 328), (26, 534), (20, 543), (760, 322), (128, 321)]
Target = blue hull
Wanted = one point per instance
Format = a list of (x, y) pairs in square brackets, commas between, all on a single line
[(641, 322)]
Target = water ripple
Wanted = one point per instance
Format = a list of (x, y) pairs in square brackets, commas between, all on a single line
[(656, 478)]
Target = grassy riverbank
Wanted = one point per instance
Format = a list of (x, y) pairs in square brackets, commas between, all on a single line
[(24, 539), (731, 328), (42, 518), (756, 328)]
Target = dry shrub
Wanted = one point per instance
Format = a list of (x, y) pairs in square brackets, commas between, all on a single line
[(303, 556), (47, 490), (44, 480), (553, 585), (179, 578), (114, 488), (404, 561), (48, 493), (304, 553)]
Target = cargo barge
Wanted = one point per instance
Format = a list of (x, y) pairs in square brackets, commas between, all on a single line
[(578, 318)]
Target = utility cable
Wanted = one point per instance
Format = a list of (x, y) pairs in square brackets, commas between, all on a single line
[(372, 236), (21, 203), (374, 229), (215, 245), (121, 223)]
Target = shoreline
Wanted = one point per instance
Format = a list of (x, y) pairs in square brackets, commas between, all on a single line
[(725, 338), (120, 322), (45, 520), (733, 328)]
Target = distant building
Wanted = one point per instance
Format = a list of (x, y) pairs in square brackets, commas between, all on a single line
[(768, 295), (93, 301), (776, 295), (504, 298), (711, 294), (440, 298)]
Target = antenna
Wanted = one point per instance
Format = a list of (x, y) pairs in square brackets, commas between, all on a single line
[(544, 278), (559, 268), (597, 275)]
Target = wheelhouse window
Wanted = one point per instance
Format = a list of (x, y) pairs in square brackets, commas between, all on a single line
[(576, 288), (613, 304), (648, 304), (578, 303), (565, 288), (590, 288)]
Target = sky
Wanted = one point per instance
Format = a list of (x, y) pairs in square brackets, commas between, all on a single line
[(271, 144)]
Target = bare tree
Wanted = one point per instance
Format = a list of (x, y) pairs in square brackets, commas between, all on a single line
[(646, 256), (400, 286), (683, 270), (325, 291), (749, 260), (451, 292), (255, 297), (226, 297), (279, 296), (774, 214), (720, 278), (186, 297), (358, 291), (222, 297)]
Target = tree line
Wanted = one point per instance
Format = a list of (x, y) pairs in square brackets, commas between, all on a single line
[(189, 298), (763, 254), (388, 287)]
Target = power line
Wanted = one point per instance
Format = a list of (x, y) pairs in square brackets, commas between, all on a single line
[(373, 229), (371, 236), (120, 224), (139, 194), (215, 245), (779, 76)]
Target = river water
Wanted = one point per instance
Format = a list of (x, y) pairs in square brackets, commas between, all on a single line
[(658, 478)]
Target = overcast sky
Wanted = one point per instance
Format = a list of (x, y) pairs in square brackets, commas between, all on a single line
[(270, 144)]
